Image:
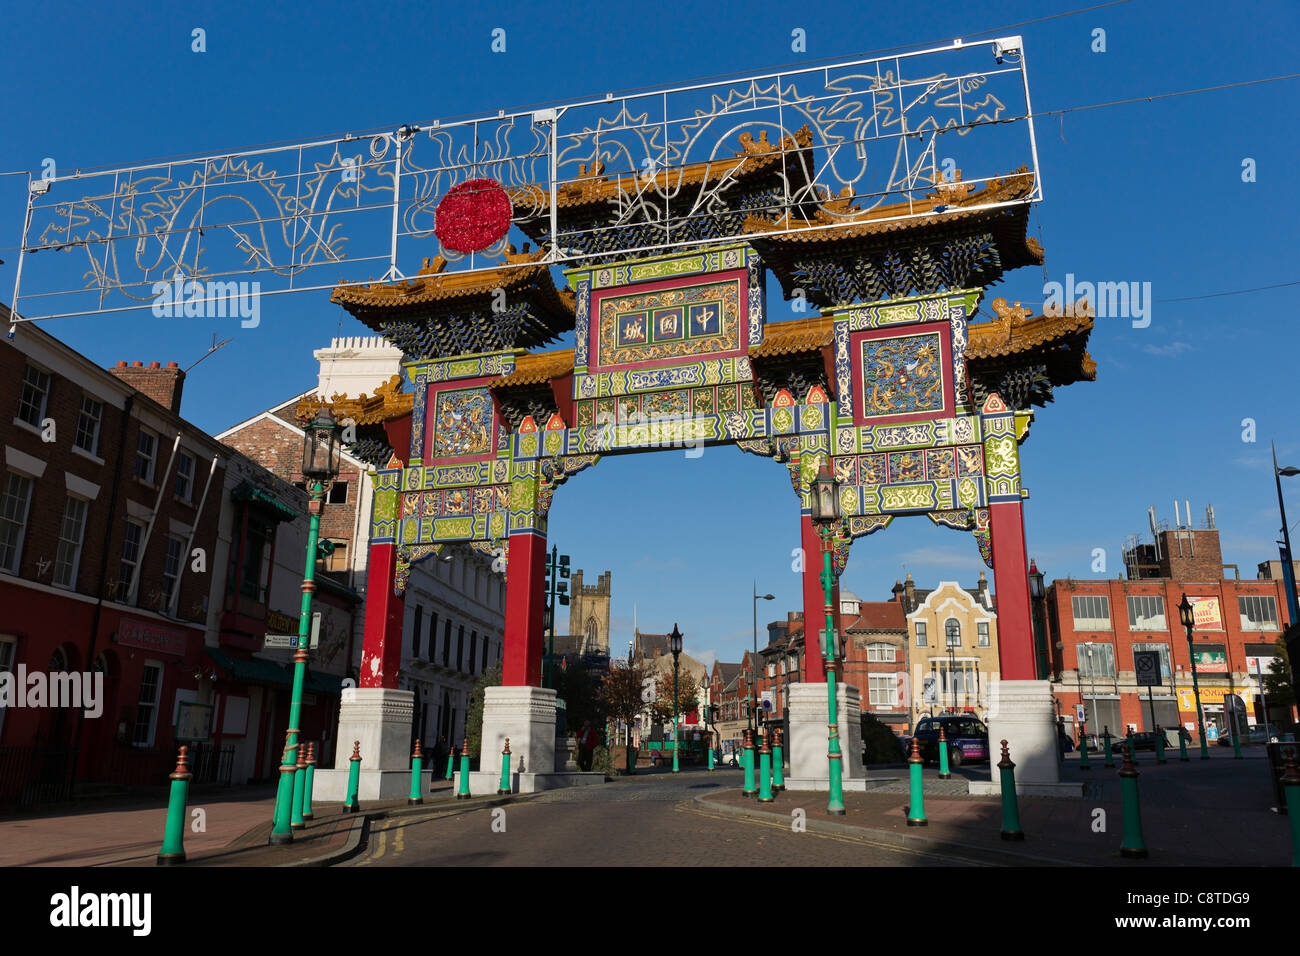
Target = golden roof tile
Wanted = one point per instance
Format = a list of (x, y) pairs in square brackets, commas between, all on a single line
[(388, 403), (796, 335), (536, 369), (1014, 332)]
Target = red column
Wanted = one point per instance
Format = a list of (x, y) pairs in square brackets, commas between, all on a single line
[(525, 602), (1011, 581), (381, 647), (814, 601)]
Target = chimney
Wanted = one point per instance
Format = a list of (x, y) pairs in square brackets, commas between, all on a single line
[(909, 589), (161, 384)]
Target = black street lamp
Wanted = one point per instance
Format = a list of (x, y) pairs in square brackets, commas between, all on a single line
[(1188, 619), (1037, 592), (675, 645), (1288, 569), (753, 686)]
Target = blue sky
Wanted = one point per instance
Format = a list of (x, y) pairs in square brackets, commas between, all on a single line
[(1145, 192)]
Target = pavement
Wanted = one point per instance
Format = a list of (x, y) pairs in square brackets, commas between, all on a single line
[(1201, 813)]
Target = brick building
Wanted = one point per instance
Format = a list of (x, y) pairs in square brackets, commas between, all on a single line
[(1096, 625), (453, 629), (876, 653), (953, 646), (109, 510)]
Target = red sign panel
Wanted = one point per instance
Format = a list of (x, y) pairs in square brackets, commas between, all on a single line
[(151, 637)]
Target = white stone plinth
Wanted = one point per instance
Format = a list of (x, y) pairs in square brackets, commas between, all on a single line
[(380, 718), (807, 747), (526, 715), (1022, 713)]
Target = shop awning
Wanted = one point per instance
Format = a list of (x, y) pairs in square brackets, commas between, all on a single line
[(251, 670), (249, 493)]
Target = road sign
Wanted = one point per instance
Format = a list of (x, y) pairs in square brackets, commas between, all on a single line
[(1146, 667), (1081, 713), (930, 692), (765, 701), (290, 641)]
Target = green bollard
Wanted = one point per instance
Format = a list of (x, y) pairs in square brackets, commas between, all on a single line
[(299, 787), (943, 755), (1132, 847), (281, 831), (463, 792), (308, 779), (1132, 747), (711, 767), (1083, 749), (1236, 743), (778, 763), (748, 757), (765, 773), (451, 756), (1010, 807), (1110, 756), (417, 769), (916, 809), (173, 845), (1291, 783), (1160, 746), (505, 770), (1182, 748), (350, 805)]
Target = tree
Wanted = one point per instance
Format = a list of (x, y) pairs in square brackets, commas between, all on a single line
[(1277, 682), (579, 688), (474, 717), (661, 709), (620, 695)]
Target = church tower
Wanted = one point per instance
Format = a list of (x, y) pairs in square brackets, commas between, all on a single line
[(589, 614)]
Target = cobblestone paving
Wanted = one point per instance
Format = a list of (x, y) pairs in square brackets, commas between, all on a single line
[(642, 821)]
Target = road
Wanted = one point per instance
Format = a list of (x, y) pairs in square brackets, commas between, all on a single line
[(647, 820)]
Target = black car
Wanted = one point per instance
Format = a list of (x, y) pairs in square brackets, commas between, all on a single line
[(968, 738)]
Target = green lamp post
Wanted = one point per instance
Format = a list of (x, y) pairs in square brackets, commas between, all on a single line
[(825, 513), (675, 645), (1185, 615), (320, 466)]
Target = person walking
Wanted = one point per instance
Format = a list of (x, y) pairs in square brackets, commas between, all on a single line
[(587, 740)]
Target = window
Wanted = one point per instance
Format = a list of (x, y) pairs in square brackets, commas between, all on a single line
[(8, 650), (485, 653), (920, 634), (34, 396), (145, 450), (14, 504), (771, 669), (1258, 612), (881, 690), (1162, 650), (184, 483), (146, 711), (1104, 715), (337, 560), (1096, 660), (88, 425), (473, 649), (1091, 612), (68, 553), (446, 644), (881, 652), (130, 558), (416, 630), (952, 631), (433, 635), (1146, 612), (982, 633), (338, 494), (460, 647), (256, 543), (171, 569)]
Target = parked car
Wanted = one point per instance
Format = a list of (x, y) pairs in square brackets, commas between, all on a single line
[(968, 738), (1256, 735)]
